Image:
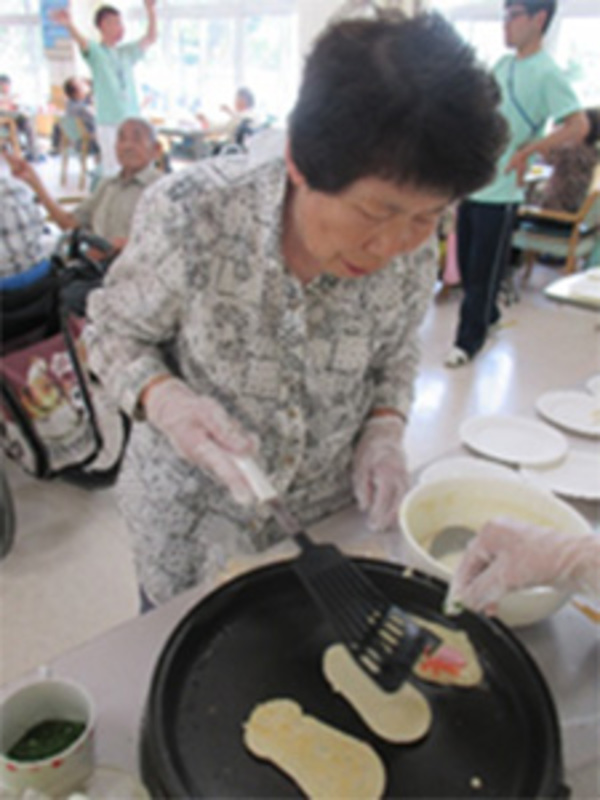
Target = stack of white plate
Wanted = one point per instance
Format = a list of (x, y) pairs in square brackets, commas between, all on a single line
[(541, 452)]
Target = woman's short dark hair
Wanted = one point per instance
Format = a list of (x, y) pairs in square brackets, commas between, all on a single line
[(399, 98), (104, 11)]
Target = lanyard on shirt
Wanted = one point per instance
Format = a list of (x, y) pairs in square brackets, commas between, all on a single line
[(117, 66), (534, 127)]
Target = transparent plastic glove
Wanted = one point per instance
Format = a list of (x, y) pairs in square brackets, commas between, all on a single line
[(509, 555), (202, 432), (380, 478)]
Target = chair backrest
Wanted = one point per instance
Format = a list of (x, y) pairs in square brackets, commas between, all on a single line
[(73, 129), (8, 129), (588, 215), (565, 234), (74, 139)]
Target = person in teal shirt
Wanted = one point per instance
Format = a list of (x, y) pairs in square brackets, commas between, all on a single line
[(111, 65), (534, 91)]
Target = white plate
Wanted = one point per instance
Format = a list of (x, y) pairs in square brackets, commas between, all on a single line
[(587, 286), (575, 411), (593, 385), (578, 475), (593, 273), (516, 440), (463, 466)]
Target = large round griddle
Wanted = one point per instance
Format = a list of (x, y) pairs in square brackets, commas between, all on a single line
[(260, 637)]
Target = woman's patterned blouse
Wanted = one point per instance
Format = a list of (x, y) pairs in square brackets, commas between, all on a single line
[(202, 290)]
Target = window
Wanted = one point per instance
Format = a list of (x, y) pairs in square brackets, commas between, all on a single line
[(206, 50), (22, 52), (577, 50)]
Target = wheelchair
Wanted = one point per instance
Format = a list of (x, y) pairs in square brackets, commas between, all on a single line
[(55, 418)]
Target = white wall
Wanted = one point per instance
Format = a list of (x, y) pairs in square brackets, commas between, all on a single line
[(312, 18), (314, 14)]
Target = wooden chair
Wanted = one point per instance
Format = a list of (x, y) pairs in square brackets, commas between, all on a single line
[(8, 130), (571, 236), (75, 139)]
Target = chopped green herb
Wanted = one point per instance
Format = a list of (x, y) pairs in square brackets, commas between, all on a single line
[(46, 739)]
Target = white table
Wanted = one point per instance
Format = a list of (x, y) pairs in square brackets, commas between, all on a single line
[(194, 138), (564, 290), (117, 667)]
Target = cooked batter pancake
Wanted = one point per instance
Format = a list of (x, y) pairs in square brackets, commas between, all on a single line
[(456, 666), (402, 716), (324, 762)]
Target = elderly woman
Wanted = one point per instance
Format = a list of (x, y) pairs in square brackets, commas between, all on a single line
[(273, 311)]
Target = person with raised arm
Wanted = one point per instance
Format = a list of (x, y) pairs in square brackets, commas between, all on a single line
[(112, 66)]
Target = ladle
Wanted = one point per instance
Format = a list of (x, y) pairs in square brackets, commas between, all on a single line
[(451, 539)]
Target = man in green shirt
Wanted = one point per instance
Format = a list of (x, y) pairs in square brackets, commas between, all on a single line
[(534, 91), (111, 65)]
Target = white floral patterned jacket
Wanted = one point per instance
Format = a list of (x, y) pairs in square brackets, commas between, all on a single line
[(202, 288)]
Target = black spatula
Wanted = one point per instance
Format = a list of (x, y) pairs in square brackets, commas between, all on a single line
[(383, 640)]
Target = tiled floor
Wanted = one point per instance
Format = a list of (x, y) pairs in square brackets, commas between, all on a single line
[(69, 576)]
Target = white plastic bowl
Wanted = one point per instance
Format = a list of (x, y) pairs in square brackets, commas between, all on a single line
[(472, 501)]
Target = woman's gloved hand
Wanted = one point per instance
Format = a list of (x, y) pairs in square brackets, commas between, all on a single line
[(380, 477), (201, 431), (508, 555)]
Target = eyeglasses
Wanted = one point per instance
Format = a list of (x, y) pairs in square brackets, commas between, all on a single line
[(514, 13)]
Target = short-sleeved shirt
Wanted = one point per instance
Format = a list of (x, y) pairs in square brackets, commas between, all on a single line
[(202, 290), (108, 212), (534, 91), (115, 94), (21, 228)]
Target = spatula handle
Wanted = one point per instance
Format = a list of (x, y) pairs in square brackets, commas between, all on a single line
[(265, 492), (263, 489)]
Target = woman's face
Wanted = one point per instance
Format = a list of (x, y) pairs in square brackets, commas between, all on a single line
[(358, 230)]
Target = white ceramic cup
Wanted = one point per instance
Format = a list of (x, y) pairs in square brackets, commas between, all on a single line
[(64, 772)]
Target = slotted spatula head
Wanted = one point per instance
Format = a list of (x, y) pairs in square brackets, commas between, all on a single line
[(382, 639), (380, 636)]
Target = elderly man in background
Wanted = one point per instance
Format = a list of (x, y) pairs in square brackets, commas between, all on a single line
[(108, 212)]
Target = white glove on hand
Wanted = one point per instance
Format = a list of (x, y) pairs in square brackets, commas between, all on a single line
[(380, 478), (509, 555), (202, 432)]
